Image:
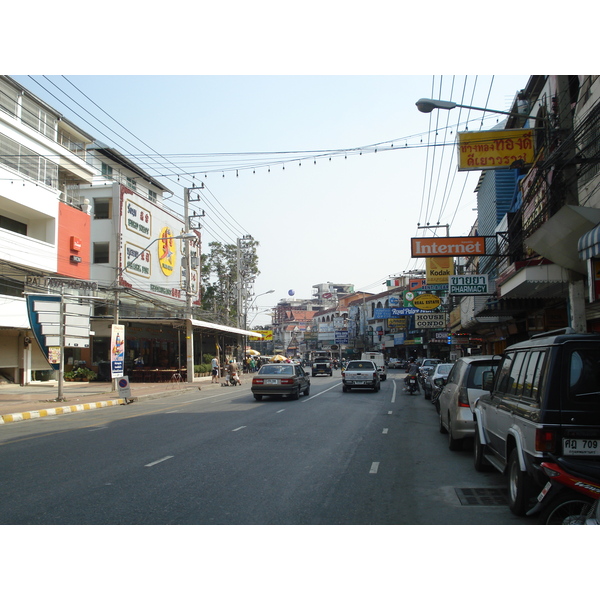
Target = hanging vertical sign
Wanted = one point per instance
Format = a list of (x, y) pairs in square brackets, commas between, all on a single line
[(117, 350)]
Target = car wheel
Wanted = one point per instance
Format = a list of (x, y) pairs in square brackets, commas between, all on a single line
[(479, 461), (519, 486), (453, 443), (345, 388), (306, 392), (257, 397), (295, 394)]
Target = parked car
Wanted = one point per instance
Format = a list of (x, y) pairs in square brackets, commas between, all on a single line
[(361, 374), (395, 363), (464, 386), (440, 370), (544, 399), (280, 380), (426, 367)]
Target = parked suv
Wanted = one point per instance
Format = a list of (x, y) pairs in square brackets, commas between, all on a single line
[(545, 398)]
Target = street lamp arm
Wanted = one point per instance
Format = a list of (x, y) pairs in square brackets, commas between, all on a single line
[(426, 105)]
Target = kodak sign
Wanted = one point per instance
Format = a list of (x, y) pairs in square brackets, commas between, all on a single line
[(447, 246)]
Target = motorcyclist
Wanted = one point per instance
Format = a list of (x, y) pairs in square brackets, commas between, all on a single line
[(412, 369)]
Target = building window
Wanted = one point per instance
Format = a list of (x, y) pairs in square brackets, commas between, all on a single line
[(131, 183), (101, 252), (152, 196), (102, 208), (35, 116), (107, 171), (12, 225), (11, 288)]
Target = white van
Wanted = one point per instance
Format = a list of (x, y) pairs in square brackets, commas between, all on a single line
[(379, 360)]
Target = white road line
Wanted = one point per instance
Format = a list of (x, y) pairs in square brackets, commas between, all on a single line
[(242, 427), (323, 392), (98, 428), (374, 467), (390, 412), (282, 410), (170, 412), (385, 431), (158, 461)]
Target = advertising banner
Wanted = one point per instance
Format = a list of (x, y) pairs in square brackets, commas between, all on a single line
[(469, 285), (430, 321), (497, 149), (267, 336), (439, 268), (117, 350), (447, 246)]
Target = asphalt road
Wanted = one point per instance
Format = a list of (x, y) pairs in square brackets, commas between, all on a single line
[(220, 457)]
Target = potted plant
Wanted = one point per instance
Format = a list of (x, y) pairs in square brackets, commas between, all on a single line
[(81, 374)]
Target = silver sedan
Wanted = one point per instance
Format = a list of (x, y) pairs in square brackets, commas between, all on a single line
[(285, 379)]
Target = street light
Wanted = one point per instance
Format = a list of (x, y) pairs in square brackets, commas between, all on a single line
[(426, 105)]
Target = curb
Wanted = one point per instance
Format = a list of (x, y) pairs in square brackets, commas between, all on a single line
[(36, 414)]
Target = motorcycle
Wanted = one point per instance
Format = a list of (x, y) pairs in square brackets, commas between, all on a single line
[(410, 384), (572, 494)]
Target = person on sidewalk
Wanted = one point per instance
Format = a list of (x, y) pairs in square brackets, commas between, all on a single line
[(215, 370)]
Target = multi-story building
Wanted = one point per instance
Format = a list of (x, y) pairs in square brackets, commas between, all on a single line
[(79, 221), (546, 258), (44, 226)]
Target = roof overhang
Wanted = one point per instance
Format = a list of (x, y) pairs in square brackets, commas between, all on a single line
[(557, 239), (203, 325), (224, 328)]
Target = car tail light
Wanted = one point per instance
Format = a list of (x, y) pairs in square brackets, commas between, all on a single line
[(545, 440), (257, 381), (463, 397), (287, 381)]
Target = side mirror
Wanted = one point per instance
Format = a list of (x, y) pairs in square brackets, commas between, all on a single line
[(488, 381), (439, 382)]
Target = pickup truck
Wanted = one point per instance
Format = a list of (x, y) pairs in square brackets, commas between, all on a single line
[(361, 374), (321, 366)]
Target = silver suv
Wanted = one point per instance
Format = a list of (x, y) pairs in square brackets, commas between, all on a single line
[(544, 398)]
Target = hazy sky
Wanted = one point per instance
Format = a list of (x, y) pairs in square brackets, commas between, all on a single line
[(353, 167)]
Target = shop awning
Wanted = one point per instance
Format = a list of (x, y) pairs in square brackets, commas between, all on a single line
[(589, 244)]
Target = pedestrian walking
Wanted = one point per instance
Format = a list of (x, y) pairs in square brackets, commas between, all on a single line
[(214, 363)]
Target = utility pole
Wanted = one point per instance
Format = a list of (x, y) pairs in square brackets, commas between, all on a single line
[(189, 329)]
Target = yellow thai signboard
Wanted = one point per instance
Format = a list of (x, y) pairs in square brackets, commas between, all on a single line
[(267, 336), (496, 149)]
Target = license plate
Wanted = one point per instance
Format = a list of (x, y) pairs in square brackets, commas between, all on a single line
[(271, 381), (578, 447), (357, 382)]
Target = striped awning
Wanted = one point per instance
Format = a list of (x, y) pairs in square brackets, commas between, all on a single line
[(589, 244)]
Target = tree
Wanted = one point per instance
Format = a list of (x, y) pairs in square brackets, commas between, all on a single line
[(219, 277)]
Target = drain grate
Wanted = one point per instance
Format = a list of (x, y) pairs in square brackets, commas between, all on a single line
[(481, 496)]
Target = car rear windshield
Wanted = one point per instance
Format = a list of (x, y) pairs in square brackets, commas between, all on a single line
[(277, 370), (360, 365), (444, 369), (475, 377)]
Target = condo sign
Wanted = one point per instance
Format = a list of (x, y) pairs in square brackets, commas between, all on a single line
[(468, 285)]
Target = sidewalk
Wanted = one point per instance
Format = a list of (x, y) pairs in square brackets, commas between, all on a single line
[(38, 399)]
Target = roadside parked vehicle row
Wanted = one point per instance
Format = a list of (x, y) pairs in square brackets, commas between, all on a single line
[(538, 402)]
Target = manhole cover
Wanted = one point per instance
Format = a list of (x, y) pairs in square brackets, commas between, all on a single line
[(481, 496)]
